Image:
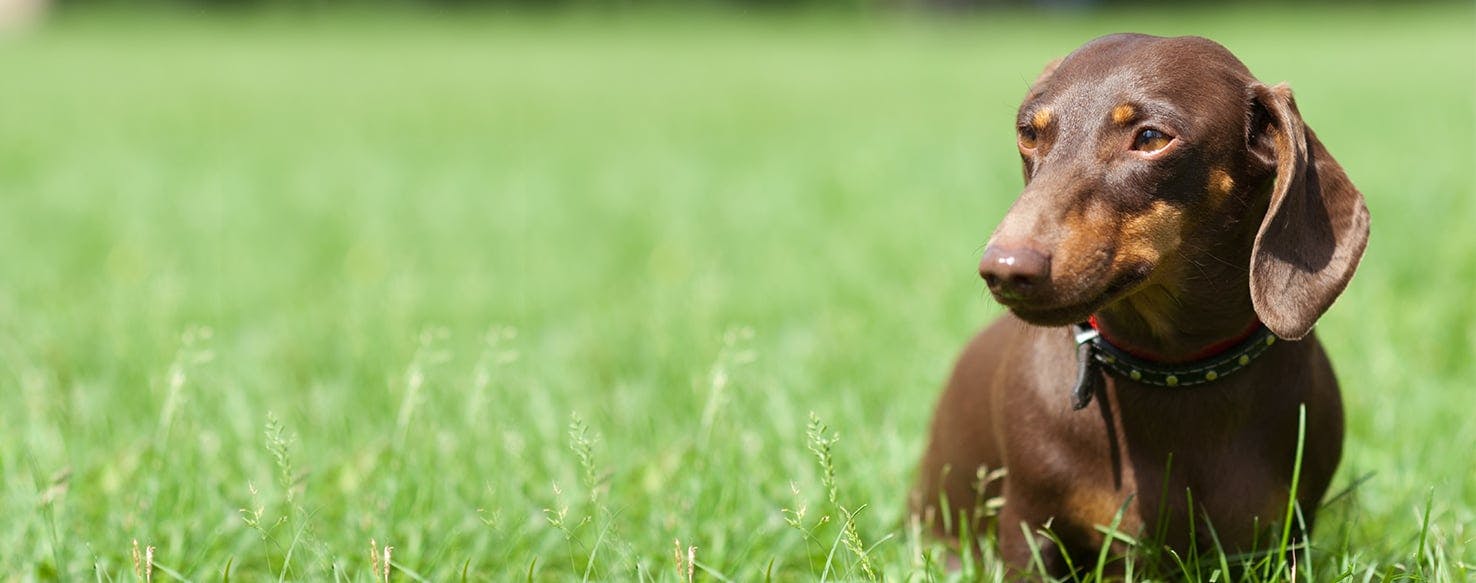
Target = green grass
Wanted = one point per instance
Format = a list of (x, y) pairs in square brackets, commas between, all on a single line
[(557, 297)]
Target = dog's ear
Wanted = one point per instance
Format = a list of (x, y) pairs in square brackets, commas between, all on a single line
[(1316, 223)]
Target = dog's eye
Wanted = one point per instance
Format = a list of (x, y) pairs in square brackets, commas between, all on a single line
[(1027, 137), (1151, 140)]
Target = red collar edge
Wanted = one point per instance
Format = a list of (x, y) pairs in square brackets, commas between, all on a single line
[(1213, 349)]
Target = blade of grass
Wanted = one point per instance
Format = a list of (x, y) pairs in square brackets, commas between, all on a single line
[(1291, 504)]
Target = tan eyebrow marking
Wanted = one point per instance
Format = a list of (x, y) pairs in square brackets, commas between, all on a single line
[(1042, 118), (1123, 113)]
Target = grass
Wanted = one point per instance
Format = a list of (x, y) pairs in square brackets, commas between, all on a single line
[(638, 298)]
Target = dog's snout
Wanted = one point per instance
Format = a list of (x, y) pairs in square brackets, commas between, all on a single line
[(1014, 270)]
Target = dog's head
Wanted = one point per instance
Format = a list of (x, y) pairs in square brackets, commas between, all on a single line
[(1145, 157)]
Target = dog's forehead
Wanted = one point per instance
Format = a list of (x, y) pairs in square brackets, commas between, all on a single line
[(1125, 67), (1184, 55)]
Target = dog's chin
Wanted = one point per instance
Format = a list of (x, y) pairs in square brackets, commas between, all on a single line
[(1063, 313), (1054, 316)]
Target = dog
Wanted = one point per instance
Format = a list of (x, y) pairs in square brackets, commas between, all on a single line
[(1180, 231)]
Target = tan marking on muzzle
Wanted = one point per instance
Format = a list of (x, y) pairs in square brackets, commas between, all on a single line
[(1151, 238), (1150, 235), (1082, 260)]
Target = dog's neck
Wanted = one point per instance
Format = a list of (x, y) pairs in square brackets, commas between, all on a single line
[(1197, 300)]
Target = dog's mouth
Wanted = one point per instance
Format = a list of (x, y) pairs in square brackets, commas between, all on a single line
[(1071, 313)]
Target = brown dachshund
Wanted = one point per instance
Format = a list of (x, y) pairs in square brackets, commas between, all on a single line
[(1180, 231)]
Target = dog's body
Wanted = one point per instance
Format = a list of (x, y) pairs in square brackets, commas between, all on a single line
[(1231, 444), (1181, 205)]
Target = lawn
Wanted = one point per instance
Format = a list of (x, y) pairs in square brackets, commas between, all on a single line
[(556, 297)]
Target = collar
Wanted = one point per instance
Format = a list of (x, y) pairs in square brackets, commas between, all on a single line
[(1215, 362), (1209, 351)]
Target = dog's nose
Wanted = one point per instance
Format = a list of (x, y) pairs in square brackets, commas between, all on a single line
[(1014, 271)]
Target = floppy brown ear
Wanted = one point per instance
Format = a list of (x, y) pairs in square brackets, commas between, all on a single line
[(1316, 224)]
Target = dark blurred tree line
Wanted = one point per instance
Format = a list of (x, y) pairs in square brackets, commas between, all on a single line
[(744, 4), (775, 4)]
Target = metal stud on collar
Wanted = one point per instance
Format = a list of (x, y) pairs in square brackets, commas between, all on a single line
[(1094, 352)]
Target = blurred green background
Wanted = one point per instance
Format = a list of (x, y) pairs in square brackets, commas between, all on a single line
[(543, 293)]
